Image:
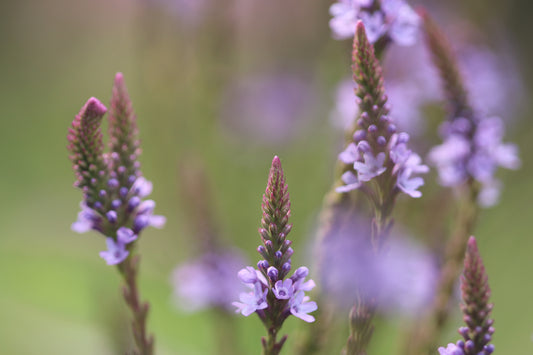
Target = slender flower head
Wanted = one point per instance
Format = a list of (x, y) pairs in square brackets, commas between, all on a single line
[(472, 147), (385, 20), (275, 296), (476, 307), (382, 165), (112, 183)]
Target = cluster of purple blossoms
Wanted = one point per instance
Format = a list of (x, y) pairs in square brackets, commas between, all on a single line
[(208, 281), (273, 295), (378, 151), (390, 20), (112, 183), (474, 149)]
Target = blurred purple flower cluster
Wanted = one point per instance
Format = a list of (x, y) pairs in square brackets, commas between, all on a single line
[(208, 281), (474, 149), (390, 19)]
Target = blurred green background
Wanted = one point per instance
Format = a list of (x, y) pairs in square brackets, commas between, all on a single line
[(58, 297)]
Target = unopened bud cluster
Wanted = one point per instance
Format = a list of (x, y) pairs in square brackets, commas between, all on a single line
[(112, 183)]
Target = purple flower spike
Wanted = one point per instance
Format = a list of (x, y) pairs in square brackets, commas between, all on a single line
[(380, 153), (276, 251), (115, 253), (476, 307), (283, 290), (300, 307)]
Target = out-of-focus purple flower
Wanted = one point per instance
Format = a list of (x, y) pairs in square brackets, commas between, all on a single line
[(116, 252), (345, 110), (474, 150), (391, 19), (401, 277), (267, 109), (251, 302), (300, 306), (451, 349), (209, 281), (189, 12)]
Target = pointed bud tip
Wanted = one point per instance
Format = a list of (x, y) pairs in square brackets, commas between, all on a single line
[(94, 107), (472, 242), (359, 27), (276, 162), (119, 78)]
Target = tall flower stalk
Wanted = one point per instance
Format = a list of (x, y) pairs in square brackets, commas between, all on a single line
[(476, 308), (274, 296), (377, 162), (113, 192), (467, 160)]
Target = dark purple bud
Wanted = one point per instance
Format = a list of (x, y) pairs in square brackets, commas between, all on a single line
[(272, 273), (102, 193), (286, 267), (113, 183), (372, 128), (123, 191), (381, 141), (131, 179), (97, 205), (489, 349), (469, 345), (121, 169), (364, 147), (364, 115), (111, 216), (262, 264), (360, 123), (289, 252), (278, 254), (478, 329), (134, 202), (301, 272), (403, 137), (261, 249), (487, 338), (460, 344), (463, 331), (359, 135), (115, 204), (139, 223), (391, 128), (268, 244), (93, 181)]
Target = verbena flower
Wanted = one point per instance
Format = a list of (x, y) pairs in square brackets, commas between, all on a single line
[(472, 147), (208, 281), (275, 296), (112, 183), (390, 20), (475, 292), (378, 152)]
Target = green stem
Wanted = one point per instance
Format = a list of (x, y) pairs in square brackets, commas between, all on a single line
[(424, 339), (144, 342)]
